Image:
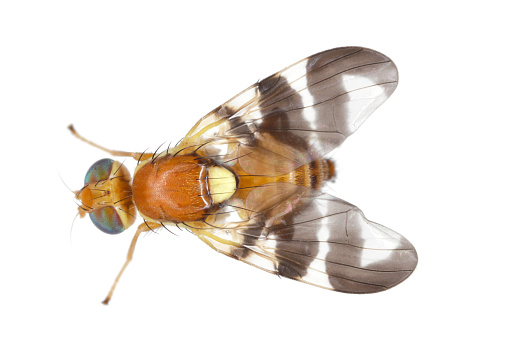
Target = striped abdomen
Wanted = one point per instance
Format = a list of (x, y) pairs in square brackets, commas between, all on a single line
[(312, 175)]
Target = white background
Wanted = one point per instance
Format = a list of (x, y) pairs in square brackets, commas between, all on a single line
[(431, 163)]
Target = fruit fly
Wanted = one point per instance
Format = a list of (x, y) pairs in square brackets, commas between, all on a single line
[(247, 178)]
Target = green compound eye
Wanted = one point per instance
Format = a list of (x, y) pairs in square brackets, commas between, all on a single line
[(107, 220), (100, 170)]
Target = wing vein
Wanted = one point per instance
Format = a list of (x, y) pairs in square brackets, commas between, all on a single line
[(336, 262), (316, 83)]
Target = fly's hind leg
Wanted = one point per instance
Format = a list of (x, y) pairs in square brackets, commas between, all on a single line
[(146, 226), (136, 155)]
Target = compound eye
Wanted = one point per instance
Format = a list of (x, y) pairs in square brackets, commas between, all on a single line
[(100, 170), (107, 220)]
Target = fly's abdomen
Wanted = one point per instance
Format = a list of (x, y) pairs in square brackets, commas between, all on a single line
[(312, 174)]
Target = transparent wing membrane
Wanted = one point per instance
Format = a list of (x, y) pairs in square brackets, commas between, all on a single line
[(311, 106), (285, 121), (321, 240)]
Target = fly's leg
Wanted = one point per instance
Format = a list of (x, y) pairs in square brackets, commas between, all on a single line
[(146, 226), (135, 155)]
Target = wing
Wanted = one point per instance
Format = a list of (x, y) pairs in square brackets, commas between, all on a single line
[(323, 241), (312, 106), (285, 121)]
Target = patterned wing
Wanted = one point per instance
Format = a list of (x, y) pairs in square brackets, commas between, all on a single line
[(285, 121), (313, 106), (320, 240)]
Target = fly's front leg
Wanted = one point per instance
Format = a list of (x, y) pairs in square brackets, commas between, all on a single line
[(146, 226), (136, 155)]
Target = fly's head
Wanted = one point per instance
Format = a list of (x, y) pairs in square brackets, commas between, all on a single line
[(107, 196)]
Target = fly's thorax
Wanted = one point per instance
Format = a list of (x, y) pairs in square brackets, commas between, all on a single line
[(222, 184), (181, 188), (107, 197)]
